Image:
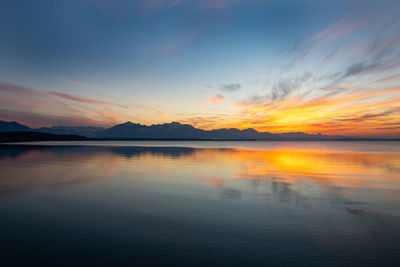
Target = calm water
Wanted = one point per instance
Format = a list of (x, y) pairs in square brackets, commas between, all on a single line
[(200, 203)]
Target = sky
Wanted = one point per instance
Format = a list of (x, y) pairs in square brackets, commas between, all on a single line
[(315, 66)]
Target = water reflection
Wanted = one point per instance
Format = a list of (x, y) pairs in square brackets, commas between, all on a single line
[(339, 204), (281, 168)]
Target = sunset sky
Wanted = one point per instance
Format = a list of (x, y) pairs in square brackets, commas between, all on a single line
[(317, 66)]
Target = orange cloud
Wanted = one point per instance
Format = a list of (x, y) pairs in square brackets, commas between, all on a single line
[(358, 112), (215, 99), (80, 99)]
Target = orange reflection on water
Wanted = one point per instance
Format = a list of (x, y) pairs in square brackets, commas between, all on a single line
[(325, 167), (328, 167), (50, 168)]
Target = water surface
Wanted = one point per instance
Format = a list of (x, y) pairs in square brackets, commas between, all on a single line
[(200, 203)]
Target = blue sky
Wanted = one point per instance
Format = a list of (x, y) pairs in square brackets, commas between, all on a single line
[(221, 63)]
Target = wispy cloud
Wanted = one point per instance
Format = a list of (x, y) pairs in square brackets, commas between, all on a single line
[(81, 99), (393, 78), (215, 99), (39, 93), (231, 87), (77, 83), (35, 119), (281, 89), (51, 104), (325, 32), (343, 27)]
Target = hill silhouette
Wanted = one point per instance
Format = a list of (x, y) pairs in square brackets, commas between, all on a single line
[(26, 136), (13, 126)]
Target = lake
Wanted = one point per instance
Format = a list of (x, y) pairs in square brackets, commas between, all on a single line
[(200, 203)]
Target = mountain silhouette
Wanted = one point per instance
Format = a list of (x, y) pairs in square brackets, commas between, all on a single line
[(87, 131), (166, 130), (13, 127), (173, 130), (176, 130)]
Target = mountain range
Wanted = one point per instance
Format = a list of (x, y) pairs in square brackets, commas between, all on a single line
[(173, 130)]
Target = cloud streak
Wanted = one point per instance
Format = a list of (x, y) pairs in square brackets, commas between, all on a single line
[(218, 98), (38, 93), (231, 87), (81, 84), (59, 106)]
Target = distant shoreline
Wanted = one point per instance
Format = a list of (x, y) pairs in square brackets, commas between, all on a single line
[(19, 137)]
